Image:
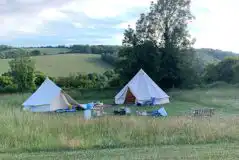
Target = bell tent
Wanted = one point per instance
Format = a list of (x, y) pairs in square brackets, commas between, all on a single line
[(48, 98), (140, 89)]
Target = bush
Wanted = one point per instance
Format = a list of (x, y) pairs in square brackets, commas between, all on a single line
[(92, 80), (9, 74), (115, 82), (109, 58), (7, 85), (35, 53), (39, 78), (109, 74), (83, 81), (6, 81), (9, 89), (23, 72), (226, 70)]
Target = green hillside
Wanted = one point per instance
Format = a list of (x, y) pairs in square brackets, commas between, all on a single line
[(55, 64), (204, 55), (64, 64), (207, 55)]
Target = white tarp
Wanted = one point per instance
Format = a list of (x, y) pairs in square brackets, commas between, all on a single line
[(143, 88), (48, 97)]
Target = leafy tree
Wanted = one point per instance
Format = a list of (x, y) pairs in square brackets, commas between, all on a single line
[(39, 78), (4, 47), (160, 44), (23, 68), (109, 74), (134, 58), (235, 70), (35, 53), (95, 49), (5, 81), (226, 70), (211, 73)]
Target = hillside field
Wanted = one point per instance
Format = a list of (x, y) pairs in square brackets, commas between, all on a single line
[(50, 51), (64, 64), (178, 136)]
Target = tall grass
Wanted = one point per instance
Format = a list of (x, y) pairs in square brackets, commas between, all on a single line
[(28, 132), (23, 131)]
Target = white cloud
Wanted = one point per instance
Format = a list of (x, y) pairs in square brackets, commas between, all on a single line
[(29, 1), (216, 24), (23, 17), (77, 24), (125, 25), (3, 2), (104, 8), (18, 25), (82, 26), (118, 38), (51, 14), (71, 40)]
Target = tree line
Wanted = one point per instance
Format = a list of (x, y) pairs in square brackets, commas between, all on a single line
[(94, 49), (227, 71), (7, 52), (160, 44)]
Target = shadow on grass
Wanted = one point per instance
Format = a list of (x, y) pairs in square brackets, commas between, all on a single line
[(97, 61), (114, 146), (69, 149)]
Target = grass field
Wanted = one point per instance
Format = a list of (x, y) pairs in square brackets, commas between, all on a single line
[(26, 135), (64, 64)]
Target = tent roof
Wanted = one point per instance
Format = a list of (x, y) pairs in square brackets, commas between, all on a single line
[(143, 87), (44, 94)]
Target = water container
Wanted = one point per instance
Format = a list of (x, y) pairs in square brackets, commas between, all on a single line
[(87, 114)]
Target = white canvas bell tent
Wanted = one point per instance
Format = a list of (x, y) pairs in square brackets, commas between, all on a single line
[(141, 88), (48, 98)]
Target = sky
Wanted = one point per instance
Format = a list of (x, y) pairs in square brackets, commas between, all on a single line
[(53, 22)]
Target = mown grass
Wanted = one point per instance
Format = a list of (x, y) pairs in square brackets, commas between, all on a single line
[(172, 152), (65, 64), (225, 100)]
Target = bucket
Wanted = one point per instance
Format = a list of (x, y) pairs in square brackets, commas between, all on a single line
[(87, 114)]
